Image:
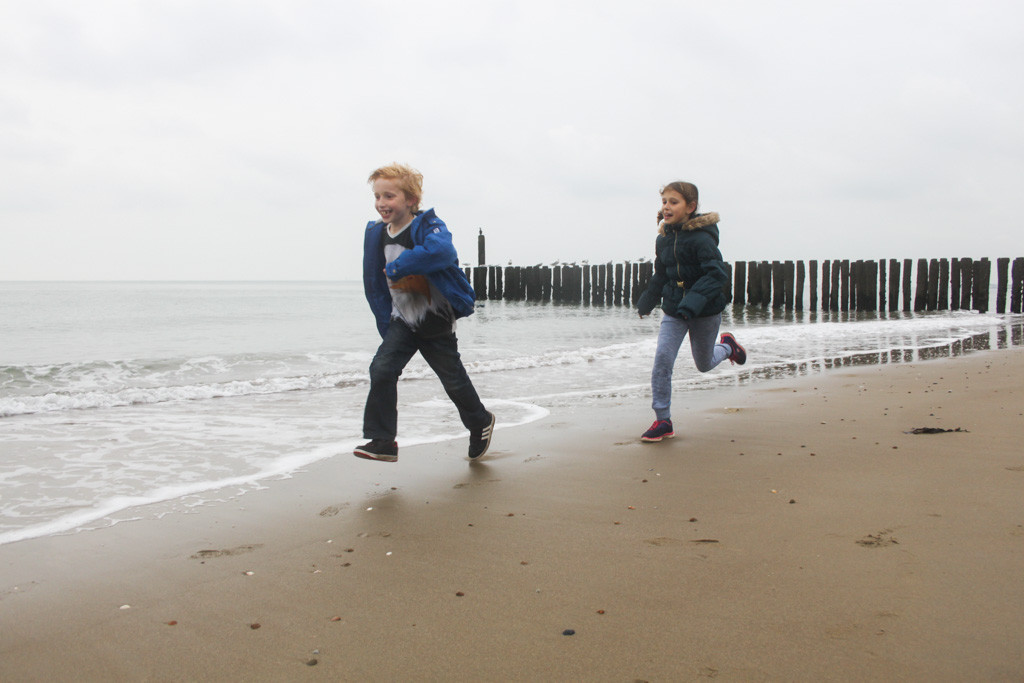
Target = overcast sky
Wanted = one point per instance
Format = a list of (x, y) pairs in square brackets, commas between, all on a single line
[(215, 139)]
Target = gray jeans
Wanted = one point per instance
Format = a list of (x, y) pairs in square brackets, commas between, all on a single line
[(707, 353)]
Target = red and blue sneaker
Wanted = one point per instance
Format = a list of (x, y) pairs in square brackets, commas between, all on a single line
[(739, 354), (661, 429)]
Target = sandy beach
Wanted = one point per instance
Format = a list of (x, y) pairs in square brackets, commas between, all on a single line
[(795, 529)]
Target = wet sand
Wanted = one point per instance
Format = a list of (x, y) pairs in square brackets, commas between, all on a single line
[(794, 530)]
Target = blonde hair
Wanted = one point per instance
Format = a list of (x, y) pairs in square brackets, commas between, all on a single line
[(409, 180)]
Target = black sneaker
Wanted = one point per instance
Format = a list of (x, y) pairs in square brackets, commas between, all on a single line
[(739, 354), (480, 439), (378, 449)]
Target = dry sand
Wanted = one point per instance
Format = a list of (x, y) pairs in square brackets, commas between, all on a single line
[(794, 530)]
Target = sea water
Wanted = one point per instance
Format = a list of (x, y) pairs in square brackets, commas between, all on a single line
[(115, 396)]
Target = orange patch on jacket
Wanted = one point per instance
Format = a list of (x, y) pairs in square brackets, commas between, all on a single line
[(417, 284)]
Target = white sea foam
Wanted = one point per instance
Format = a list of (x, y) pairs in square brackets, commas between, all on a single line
[(72, 514)]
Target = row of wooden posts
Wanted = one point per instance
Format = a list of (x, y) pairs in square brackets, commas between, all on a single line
[(868, 285)]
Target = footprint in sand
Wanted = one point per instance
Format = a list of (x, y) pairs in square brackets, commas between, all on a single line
[(880, 540), (474, 483), (662, 540), (332, 510), (239, 550)]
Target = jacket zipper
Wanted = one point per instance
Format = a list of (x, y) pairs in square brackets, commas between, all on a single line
[(675, 255)]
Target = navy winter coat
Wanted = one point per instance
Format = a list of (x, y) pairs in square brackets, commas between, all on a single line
[(690, 277)]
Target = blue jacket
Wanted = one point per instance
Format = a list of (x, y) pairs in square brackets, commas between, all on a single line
[(690, 277), (433, 255)]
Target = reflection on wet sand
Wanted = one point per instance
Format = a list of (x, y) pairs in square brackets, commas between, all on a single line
[(1003, 336)]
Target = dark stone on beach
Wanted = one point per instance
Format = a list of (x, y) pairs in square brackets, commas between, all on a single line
[(934, 430), (568, 632), (312, 662)]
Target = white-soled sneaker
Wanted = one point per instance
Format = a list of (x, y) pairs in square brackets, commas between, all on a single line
[(378, 449), (480, 439)]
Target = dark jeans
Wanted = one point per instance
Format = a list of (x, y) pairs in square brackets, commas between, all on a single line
[(380, 419)]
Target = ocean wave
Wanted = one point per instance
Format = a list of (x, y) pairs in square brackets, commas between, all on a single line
[(134, 396), (112, 384)]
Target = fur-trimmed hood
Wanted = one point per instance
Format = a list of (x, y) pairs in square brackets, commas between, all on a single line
[(701, 220)]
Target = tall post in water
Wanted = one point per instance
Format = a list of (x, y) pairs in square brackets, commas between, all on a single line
[(954, 284), (765, 271), (635, 287), (982, 277), (826, 286), (966, 283), (812, 277), (627, 283), (798, 301), (907, 265), (618, 284), (789, 276), (844, 285), (778, 285), (739, 286), (480, 248), (1002, 270), (753, 283), (833, 297), (894, 285), (921, 296), (943, 302), (932, 302), (586, 286), (856, 284), (871, 285), (881, 285), (1017, 286)]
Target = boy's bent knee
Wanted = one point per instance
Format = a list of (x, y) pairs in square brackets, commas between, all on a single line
[(381, 370)]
